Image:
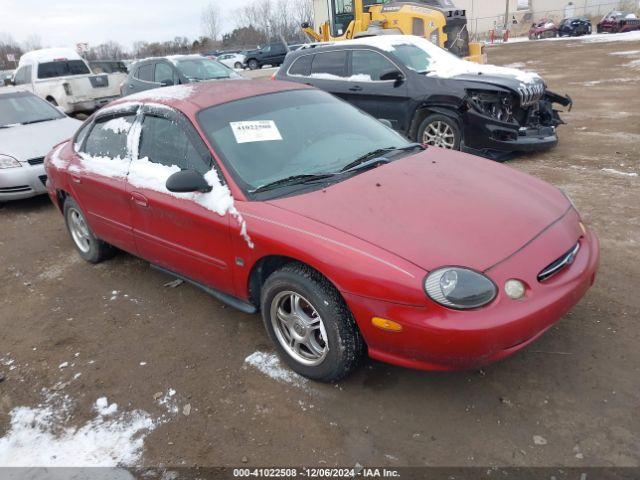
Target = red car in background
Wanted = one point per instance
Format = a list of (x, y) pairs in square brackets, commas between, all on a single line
[(618, 22), (280, 198), (543, 29)]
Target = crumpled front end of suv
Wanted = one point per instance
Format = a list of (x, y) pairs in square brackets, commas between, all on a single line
[(522, 119)]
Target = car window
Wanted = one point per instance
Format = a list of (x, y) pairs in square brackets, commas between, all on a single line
[(301, 66), (413, 57), (203, 69), (164, 73), (330, 63), (370, 64), (62, 68), (108, 137), (163, 141), (145, 73), (23, 75)]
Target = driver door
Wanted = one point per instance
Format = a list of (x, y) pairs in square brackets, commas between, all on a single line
[(175, 231)]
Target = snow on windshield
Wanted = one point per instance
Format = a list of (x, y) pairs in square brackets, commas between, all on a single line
[(441, 63)]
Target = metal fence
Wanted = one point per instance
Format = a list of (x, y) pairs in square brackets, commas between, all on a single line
[(521, 19)]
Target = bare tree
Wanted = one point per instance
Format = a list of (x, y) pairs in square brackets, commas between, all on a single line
[(212, 21), (33, 42)]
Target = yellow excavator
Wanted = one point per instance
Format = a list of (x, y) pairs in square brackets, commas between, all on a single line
[(436, 20)]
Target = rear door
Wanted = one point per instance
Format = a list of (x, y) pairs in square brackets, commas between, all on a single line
[(142, 78), (175, 231), (329, 71), (384, 99), (98, 179)]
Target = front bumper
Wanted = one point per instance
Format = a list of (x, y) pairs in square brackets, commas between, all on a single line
[(485, 133), (437, 338), (22, 182)]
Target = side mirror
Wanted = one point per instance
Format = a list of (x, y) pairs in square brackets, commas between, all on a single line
[(187, 181), (167, 83), (396, 75)]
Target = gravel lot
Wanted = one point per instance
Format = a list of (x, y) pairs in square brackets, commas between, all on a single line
[(569, 399)]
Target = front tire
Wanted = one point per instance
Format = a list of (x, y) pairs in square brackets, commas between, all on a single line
[(310, 324), (90, 247), (253, 64), (440, 131)]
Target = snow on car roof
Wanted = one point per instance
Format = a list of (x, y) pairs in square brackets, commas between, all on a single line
[(196, 96), (443, 64), (48, 55)]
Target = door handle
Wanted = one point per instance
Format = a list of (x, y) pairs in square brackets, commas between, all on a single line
[(356, 88), (75, 179), (139, 199)]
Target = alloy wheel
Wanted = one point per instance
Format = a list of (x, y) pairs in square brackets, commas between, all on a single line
[(79, 230), (299, 328), (439, 134)]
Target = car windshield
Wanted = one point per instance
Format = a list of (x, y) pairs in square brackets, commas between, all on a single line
[(23, 108), (277, 136), (417, 53), (203, 69), (62, 68)]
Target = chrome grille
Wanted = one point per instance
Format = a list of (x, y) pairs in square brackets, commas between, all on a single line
[(530, 94), (564, 261)]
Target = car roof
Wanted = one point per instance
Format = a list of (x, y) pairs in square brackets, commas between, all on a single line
[(194, 97)]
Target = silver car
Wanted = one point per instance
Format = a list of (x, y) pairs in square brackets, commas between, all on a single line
[(29, 128)]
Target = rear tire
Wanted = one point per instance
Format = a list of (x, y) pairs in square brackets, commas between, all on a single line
[(90, 247), (52, 101), (320, 327), (440, 131), (237, 66)]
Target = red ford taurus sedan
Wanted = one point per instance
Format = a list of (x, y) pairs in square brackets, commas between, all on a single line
[(279, 198)]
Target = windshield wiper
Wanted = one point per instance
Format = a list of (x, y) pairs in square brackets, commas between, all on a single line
[(378, 156), (293, 180), (37, 121)]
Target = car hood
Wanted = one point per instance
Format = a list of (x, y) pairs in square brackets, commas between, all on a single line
[(23, 142), (437, 208), (514, 80)]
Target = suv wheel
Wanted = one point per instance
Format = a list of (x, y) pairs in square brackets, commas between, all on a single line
[(253, 64), (90, 248), (310, 324), (440, 131)]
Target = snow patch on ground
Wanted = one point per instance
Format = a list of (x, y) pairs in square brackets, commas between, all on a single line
[(633, 64), (629, 53), (515, 65), (593, 83), (269, 364), (42, 437), (169, 402), (618, 172)]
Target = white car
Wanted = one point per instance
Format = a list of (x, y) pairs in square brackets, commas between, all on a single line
[(232, 60), (63, 78), (29, 128)]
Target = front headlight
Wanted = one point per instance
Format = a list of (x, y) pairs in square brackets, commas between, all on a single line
[(459, 288), (8, 162)]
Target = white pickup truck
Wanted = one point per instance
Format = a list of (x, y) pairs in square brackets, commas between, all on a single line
[(62, 77)]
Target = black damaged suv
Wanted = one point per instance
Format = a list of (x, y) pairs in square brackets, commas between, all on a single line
[(433, 97)]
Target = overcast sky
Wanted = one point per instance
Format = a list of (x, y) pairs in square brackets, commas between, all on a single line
[(67, 22)]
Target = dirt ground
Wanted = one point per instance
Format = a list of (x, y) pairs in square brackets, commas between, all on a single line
[(130, 336)]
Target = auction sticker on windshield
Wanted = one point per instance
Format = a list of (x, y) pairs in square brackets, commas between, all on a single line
[(255, 131)]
